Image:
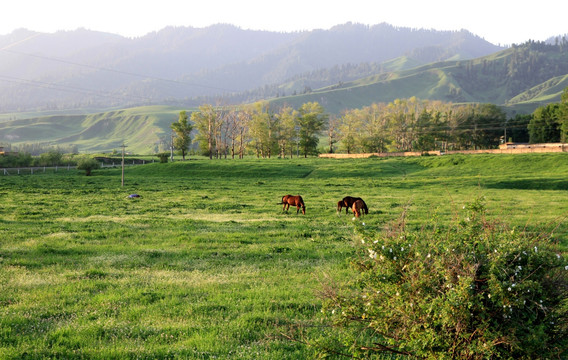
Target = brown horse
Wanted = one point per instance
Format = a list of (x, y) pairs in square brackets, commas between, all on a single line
[(347, 203), (296, 201), (358, 205)]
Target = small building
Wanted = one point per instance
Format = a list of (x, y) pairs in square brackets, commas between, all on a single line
[(3, 153)]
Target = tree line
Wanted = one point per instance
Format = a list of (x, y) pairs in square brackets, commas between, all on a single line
[(401, 125), (256, 128)]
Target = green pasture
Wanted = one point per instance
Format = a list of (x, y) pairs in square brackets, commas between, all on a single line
[(205, 265)]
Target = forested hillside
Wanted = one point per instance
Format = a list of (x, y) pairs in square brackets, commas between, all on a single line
[(85, 69), (520, 78)]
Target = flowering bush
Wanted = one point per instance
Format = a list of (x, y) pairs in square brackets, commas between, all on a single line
[(475, 290)]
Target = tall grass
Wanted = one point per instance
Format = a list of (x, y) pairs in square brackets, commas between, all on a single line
[(205, 264)]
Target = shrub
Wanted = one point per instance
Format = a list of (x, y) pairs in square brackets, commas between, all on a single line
[(475, 290), (163, 157), (87, 164)]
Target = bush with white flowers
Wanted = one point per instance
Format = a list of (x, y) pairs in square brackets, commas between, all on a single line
[(474, 290)]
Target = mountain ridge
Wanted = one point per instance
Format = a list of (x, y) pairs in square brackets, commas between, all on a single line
[(177, 64)]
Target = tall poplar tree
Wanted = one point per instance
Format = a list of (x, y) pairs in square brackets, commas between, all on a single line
[(182, 130), (311, 120)]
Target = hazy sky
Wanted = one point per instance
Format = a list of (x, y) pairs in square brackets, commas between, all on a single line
[(498, 21)]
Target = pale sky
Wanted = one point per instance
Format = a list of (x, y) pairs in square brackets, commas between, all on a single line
[(498, 21)]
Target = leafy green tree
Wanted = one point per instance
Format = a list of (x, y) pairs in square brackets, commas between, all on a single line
[(375, 136), (264, 130), (350, 127), (563, 116), (544, 126), (182, 129), (205, 121), (517, 128), (487, 125), (88, 164), (51, 158), (288, 138), (311, 121)]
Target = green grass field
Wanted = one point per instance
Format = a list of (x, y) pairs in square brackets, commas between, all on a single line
[(205, 264)]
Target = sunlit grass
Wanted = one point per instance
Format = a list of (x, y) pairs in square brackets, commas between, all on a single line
[(205, 264)]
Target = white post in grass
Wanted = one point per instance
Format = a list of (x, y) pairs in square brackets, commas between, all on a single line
[(122, 181)]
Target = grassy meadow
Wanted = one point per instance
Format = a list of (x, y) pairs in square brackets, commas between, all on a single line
[(205, 264)]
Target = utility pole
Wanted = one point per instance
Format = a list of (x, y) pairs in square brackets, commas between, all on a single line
[(122, 180), (172, 148)]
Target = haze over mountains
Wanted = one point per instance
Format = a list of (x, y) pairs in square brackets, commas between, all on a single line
[(185, 66), (93, 90)]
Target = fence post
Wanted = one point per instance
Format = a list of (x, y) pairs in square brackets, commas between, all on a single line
[(32, 171)]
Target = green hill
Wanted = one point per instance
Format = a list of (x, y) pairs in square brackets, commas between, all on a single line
[(520, 78), (139, 128)]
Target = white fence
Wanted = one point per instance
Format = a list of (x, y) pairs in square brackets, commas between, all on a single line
[(44, 169)]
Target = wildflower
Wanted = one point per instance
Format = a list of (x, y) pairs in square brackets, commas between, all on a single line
[(363, 224), (489, 296), (401, 249), (509, 288), (535, 249), (376, 241), (353, 218), (566, 267), (428, 255), (394, 258), (362, 241)]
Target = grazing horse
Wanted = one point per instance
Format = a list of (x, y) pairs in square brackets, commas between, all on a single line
[(358, 205), (296, 201), (347, 203)]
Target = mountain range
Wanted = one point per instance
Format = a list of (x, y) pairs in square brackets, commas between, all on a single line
[(96, 89), (85, 69)]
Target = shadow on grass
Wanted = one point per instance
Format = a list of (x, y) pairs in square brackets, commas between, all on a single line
[(530, 184)]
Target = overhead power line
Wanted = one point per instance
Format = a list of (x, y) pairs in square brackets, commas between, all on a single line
[(142, 76)]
